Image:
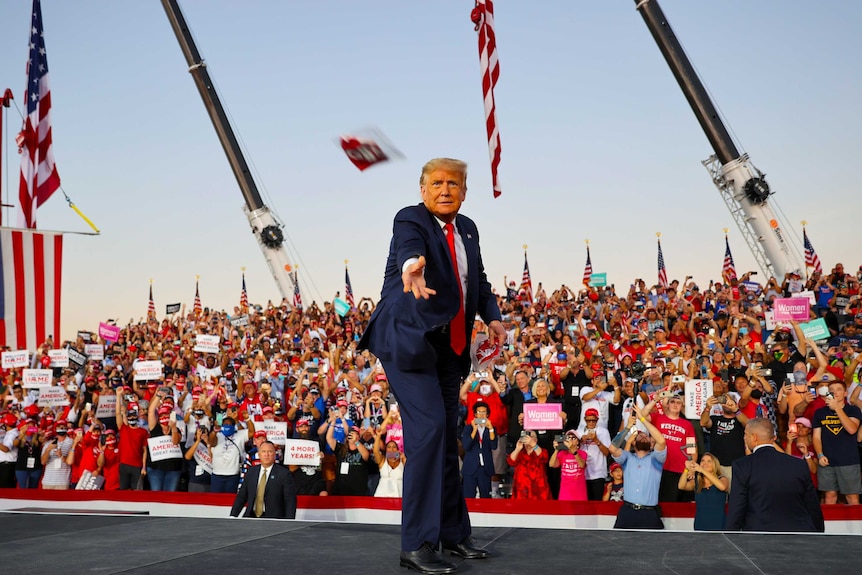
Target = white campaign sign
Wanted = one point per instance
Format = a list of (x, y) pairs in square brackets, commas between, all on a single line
[(301, 452), (202, 457), (20, 358), (276, 431), (58, 357), (697, 391), (107, 406), (52, 397), (207, 343), (36, 378), (147, 370), (162, 448), (95, 351)]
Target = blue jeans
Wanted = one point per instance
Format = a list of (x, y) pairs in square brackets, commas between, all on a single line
[(163, 480), (28, 479), (224, 483)]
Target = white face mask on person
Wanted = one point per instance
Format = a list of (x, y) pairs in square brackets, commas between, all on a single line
[(485, 389)]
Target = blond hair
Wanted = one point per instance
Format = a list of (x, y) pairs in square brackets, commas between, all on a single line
[(445, 164)]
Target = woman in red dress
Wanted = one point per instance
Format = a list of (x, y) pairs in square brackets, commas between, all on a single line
[(530, 462)]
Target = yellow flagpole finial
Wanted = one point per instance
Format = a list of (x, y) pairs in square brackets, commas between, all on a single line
[(587, 241), (726, 230), (658, 234), (345, 262), (804, 223), (525, 247), (151, 280), (243, 269), (197, 277)]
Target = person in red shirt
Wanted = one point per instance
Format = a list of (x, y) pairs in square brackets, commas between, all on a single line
[(678, 432), (252, 401), (109, 462), (132, 445)]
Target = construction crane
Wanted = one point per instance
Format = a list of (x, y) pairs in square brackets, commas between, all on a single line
[(265, 227), (742, 186)]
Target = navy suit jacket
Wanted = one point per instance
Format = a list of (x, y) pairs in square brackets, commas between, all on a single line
[(400, 323), (472, 449), (279, 496), (772, 491)]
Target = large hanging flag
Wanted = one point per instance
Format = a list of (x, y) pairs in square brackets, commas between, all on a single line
[(728, 269), (526, 282), (297, 298), (243, 297), (151, 305), (588, 268), (198, 308), (811, 259), (348, 289), (39, 178), (662, 271), (30, 279), (483, 17)]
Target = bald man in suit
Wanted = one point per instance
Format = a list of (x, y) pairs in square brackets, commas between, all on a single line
[(770, 490)]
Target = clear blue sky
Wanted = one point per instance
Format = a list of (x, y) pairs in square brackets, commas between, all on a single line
[(598, 141)]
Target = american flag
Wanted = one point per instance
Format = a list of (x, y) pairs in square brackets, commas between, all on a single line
[(198, 308), (811, 259), (151, 305), (243, 297), (662, 271), (588, 268), (348, 289), (526, 283), (39, 179), (483, 16), (31, 269), (297, 298), (728, 269)]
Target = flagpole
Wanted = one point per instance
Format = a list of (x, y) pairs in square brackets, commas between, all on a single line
[(804, 222)]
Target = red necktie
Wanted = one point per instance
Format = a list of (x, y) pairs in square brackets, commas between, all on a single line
[(457, 327)]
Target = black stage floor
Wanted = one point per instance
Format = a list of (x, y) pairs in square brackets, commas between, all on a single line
[(73, 544)]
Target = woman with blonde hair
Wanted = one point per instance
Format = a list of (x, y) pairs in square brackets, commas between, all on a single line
[(710, 492)]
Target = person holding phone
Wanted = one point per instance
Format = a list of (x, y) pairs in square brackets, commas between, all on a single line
[(710, 488), (479, 440)]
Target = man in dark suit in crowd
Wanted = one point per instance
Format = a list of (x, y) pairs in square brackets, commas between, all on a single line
[(433, 288), (479, 439), (770, 490), (278, 498)]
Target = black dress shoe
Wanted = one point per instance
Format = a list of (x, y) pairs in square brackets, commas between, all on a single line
[(467, 549), (426, 560)]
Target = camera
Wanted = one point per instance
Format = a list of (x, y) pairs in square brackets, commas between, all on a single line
[(678, 379), (766, 372), (481, 421), (636, 370), (524, 435), (721, 398)]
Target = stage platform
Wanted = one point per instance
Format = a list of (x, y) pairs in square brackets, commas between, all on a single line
[(38, 543)]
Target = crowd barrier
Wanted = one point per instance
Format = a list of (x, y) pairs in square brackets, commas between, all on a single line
[(840, 519)]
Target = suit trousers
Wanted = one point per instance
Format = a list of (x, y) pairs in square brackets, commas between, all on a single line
[(432, 508)]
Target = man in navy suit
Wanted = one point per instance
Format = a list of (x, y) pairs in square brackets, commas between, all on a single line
[(479, 439), (279, 495), (433, 288), (770, 490)]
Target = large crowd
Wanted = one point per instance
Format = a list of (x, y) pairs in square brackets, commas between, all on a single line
[(599, 352)]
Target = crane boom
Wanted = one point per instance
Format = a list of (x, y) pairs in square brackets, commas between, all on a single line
[(743, 187), (263, 224)]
